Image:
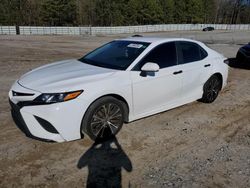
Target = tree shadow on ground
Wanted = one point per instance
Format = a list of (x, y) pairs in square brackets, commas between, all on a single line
[(105, 160), (239, 65)]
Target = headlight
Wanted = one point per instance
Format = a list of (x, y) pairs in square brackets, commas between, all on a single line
[(49, 98)]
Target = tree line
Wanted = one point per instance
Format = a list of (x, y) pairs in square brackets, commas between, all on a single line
[(122, 12)]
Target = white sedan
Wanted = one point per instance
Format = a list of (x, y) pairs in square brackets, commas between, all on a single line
[(122, 81)]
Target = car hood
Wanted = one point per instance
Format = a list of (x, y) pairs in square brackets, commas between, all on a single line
[(63, 76)]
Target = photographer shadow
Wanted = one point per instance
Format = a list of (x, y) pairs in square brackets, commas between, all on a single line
[(105, 160)]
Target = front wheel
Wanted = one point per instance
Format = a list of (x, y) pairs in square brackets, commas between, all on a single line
[(211, 89), (104, 118)]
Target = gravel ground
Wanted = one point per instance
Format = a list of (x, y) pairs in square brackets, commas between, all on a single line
[(196, 145)]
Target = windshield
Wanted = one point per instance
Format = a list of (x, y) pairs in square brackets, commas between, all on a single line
[(115, 55)]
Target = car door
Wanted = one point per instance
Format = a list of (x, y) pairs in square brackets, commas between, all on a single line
[(196, 69), (154, 92)]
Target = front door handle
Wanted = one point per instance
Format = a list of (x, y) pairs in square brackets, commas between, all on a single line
[(207, 65), (178, 72)]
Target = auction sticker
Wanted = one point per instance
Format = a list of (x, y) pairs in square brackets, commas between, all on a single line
[(135, 45)]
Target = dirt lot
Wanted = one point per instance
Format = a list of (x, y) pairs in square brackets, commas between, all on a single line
[(196, 145)]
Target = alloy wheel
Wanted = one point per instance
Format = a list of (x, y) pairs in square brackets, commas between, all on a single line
[(213, 89), (106, 120)]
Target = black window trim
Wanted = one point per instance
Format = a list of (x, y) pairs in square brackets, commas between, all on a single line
[(177, 62)]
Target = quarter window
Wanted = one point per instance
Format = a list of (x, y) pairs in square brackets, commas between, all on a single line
[(203, 53)]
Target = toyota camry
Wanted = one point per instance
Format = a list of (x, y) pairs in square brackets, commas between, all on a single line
[(122, 81)]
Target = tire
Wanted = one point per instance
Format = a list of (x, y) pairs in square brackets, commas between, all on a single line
[(104, 118), (211, 89)]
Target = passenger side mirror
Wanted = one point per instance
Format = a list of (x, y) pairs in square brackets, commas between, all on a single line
[(150, 67)]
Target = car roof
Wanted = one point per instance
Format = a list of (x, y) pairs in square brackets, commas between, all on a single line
[(156, 39)]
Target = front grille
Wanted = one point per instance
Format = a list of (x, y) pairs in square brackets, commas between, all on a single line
[(18, 119), (18, 94), (24, 103), (20, 123)]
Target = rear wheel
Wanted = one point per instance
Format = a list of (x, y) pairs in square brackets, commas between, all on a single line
[(104, 118), (211, 89)]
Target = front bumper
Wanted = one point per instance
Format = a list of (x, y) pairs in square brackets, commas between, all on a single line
[(57, 122), (19, 121)]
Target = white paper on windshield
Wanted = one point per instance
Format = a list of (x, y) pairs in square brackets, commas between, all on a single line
[(135, 45)]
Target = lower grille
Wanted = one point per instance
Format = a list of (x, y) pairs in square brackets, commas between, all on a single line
[(46, 125), (18, 119), (20, 123)]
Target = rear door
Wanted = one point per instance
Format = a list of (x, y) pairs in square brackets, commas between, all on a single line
[(196, 69)]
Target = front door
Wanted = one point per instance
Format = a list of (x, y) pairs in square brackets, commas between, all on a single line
[(155, 91)]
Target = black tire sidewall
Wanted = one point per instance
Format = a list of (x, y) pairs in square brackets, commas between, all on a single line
[(205, 89), (85, 127)]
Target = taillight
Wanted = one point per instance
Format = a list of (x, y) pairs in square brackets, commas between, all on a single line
[(226, 61)]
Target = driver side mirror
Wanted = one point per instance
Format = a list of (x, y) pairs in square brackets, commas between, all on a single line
[(150, 67)]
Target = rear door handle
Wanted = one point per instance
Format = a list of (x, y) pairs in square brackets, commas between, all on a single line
[(207, 65), (178, 72)]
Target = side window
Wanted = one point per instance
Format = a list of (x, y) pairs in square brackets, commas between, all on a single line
[(189, 52), (164, 55)]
